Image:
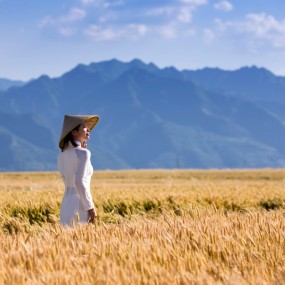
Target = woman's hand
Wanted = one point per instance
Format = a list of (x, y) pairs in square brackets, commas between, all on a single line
[(92, 215)]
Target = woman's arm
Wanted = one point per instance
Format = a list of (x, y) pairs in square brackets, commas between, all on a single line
[(82, 181)]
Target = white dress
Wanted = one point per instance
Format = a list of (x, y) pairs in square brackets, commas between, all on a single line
[(75, 167)]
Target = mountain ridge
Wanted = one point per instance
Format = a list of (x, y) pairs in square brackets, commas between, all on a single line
[(150, 117)]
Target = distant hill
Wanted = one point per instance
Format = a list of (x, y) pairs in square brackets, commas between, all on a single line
[(5, 84), (149, 117), (25, 144), (248, 82)]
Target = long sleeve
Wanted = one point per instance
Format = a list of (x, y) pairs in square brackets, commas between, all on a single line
[(82, 178), (59, 165)]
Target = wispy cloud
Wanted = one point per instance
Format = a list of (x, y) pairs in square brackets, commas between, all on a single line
[(223, 5), (181, 12), (185, 14), (87, 1), (99, 33), (158, 11), (103, 20), (265, 29), (46, 21), (194, 2), (168, 31), (103, 3), (74, 15), (66, 31)]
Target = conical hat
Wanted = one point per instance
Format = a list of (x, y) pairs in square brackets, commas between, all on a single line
[(72, 121)]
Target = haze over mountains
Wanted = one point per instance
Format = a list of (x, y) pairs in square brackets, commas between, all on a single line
[(149, 117), (5, 84)]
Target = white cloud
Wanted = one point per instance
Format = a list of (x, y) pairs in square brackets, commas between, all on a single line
[(47, 21), (182, 14), (265, 27), (74, 15), (260, 27), (222, 26), (166, 10), (185, 15), (103, 3), (107, 17), (100, 34), (185, 12), (113, 3), (167, 31), (136, 30), (194, 2), (87, 1), (66, 31), (261, 24), (223, 5), (131, 31), (168, 21)]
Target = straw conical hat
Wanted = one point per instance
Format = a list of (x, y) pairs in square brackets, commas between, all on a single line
[(72, 121)]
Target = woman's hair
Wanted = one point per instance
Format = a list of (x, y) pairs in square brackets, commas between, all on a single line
[(69, 138)]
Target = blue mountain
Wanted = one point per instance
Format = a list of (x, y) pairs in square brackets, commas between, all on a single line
[(5, 84), (149, 117)]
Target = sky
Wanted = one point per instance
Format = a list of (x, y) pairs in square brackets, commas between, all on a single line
[(52, 37)]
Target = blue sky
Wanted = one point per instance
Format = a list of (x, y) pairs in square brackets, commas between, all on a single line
[(51, 37)]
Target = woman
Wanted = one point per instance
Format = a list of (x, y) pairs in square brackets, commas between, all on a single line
[(76, 170)]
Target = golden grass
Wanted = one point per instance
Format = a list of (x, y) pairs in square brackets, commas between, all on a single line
[(155, 227)]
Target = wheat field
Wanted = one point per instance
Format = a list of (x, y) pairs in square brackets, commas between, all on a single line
[(154, 227)]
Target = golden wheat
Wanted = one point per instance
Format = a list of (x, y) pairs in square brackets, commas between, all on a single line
[(155, 227)]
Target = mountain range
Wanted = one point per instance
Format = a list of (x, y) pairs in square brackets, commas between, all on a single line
[(150, 117)]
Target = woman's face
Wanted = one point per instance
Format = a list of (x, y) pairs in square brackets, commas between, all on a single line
[(82, 134)]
